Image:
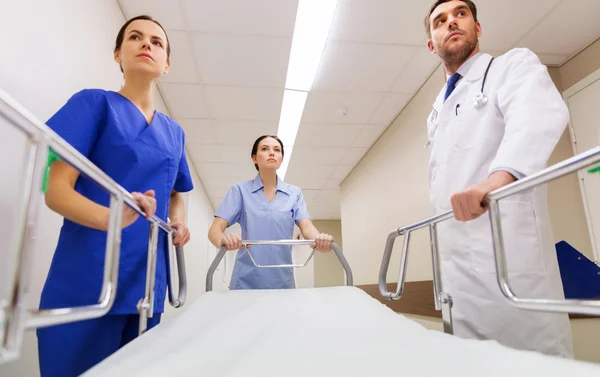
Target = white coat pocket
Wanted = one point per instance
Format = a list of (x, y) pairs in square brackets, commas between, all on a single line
[(521, 241), (470, 128)]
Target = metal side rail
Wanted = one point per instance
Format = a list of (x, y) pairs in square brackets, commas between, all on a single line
[(14, 317), (219, 257), (442, 300), (145, 306), (581, 161)]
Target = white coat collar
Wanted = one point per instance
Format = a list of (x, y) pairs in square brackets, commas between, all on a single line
[(476, 71), (471, 70)]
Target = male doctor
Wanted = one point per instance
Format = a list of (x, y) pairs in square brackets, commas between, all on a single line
[(481, 140)]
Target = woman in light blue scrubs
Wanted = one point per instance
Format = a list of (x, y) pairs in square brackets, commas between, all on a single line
[(143, 151), (266, 209)]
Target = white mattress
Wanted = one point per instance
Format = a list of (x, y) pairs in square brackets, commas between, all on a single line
[(315, 332)]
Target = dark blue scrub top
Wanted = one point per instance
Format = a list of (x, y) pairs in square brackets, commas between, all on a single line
[(113, 134)]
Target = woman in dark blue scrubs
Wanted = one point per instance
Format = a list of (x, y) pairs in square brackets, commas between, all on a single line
[(143, 151)]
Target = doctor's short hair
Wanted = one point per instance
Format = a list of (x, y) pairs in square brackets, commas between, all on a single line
[(121, 34), (427, 22), (257, 142)]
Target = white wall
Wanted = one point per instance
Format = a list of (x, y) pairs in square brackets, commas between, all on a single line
[(387, 189), (328, 269), (50, 50)]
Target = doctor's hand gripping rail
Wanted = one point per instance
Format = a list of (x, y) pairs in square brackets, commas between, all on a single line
[(443, 301), (223, 251), (14, 318)]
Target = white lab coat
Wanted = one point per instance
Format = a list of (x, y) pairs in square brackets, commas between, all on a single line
[(517, 129)]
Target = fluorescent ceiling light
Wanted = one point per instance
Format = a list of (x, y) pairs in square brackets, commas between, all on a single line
[(286, 162), (313, 21), (289, 121)]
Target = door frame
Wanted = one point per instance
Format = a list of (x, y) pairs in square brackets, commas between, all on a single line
[(570, 92)]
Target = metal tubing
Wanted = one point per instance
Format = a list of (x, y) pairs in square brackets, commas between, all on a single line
[(589, 307), (145, 306), (551, 173), (212, 268), (51, 317), (345, 265), (279, 265), (387, 254), (403, 263), (178, 301), (12, 333), (223, 251), (435, 262), (446, 303), (277, 242)]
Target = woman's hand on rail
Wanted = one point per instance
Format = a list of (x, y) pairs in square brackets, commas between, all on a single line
[(145, 201), (323, 242), (62, 198), (232, 241), (183, 234), (310, 232)]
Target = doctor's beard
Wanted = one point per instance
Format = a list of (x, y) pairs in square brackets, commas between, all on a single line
[(457, 56)]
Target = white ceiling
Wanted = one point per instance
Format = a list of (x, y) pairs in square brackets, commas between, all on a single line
[(229, 62)]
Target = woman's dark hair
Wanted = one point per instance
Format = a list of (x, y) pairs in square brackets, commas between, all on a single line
[(257, 142), (121, 34)]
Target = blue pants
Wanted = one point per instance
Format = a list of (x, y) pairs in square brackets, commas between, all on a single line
[(71, 349)]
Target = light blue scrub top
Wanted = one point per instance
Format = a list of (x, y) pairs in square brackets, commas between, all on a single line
[(246, 204)]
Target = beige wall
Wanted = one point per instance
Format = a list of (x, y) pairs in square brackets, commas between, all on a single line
[(580, 66), (387, 189), (328, 270)]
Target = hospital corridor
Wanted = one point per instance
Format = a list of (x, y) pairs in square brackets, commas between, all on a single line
[(299, 188)]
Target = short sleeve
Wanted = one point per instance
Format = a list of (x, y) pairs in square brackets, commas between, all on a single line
[(79, 121), (183, 181), (300, 209), (231, 207)]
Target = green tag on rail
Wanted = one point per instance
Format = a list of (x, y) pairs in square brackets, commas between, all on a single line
[(52, 157)]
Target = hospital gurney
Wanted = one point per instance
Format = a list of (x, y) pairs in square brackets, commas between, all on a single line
[(341, 330), (14, 318), (322, 332)]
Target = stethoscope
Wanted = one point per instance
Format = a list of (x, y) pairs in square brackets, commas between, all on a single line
[(479, 101)]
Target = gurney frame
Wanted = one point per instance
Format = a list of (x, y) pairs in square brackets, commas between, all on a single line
[(443, 300), (336, 249)]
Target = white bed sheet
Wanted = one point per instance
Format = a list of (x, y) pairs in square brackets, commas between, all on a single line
[(337, 331)]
